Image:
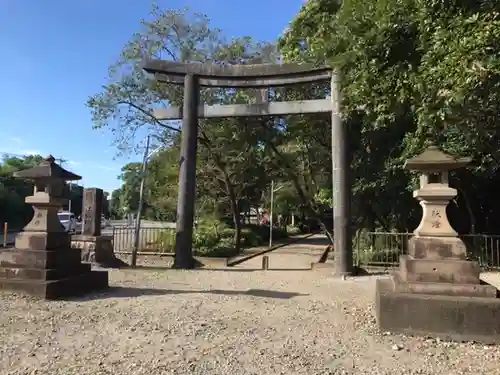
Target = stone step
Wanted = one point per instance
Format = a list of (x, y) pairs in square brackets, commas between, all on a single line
[(76, 285), (439, 270), (43, 274), (443, 289), (47, 259), (455, 318)]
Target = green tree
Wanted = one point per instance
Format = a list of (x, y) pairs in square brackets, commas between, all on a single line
[(414, 72), (126, 104), (126, 199), (13, 191)]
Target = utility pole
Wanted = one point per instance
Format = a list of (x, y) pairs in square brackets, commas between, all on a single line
[(69, 201), (141, 201), (273, 190)]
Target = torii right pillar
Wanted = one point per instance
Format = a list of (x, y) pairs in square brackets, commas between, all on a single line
[(437, 292)]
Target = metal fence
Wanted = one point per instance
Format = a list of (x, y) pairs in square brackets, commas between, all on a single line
[(151, 239), (384, 249), (379, 249)]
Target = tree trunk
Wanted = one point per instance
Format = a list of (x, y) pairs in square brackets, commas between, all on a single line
[(237, 223), (468, 206), (235, 211)]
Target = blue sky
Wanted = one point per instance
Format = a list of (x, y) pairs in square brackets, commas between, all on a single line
[(57, 53)]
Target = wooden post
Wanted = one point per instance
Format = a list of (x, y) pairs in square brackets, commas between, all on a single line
[(265, 262)]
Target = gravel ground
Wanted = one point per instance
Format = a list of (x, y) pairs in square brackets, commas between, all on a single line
[(237, 322)]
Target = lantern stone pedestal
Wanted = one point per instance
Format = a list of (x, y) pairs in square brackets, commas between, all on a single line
[(42, 263), (437, 291)]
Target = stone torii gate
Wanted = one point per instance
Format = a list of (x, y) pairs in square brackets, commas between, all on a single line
[(263, 76)]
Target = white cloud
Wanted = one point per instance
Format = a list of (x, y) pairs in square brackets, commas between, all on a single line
[(16, 140), (31, 152), (74, 163)]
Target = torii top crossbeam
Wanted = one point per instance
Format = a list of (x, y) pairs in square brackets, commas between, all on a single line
[(238, 76), (244, 76)]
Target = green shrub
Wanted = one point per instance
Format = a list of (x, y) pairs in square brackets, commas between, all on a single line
[(165, 242), (292, 230), (213, 238), (279, 233), (262, 232), (250, 238)]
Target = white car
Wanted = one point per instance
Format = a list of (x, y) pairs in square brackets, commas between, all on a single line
[(68, 220)]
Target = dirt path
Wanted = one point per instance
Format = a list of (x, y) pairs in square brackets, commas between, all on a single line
[(296, 256)]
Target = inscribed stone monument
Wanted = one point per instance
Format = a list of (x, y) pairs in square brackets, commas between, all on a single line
[(95, 247), (92, 211)]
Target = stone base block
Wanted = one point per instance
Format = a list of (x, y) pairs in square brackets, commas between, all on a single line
[(43, 273), (61, 258), (96, 249), (42, 241), (439, 270), (72, 286), (433, 247), (447, 317), (446, 289)]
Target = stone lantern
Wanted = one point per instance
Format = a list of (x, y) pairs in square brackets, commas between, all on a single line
[(437, 291), (434, 196), (42, 263), (45, 230)]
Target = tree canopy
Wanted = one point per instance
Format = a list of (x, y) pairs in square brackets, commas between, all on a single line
[(414, 72)]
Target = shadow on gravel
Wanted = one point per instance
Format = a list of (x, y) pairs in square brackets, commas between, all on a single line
[(253, 269), (368, 271), (167, 268), (131, 292)]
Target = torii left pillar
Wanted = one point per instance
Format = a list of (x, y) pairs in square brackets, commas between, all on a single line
[(187, 175)]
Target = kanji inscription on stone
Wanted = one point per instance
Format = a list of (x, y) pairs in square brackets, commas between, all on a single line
[(436, 213), (436, 224), (91, 212)]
